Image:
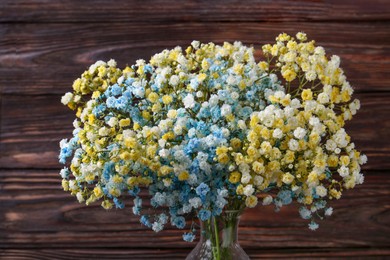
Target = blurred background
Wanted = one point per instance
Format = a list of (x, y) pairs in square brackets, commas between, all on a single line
[(45, 45)]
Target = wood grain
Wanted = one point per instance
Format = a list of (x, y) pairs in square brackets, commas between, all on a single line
[(46, 44), (36, 213), (189, 11), (32, 127), (46, 58), (173, 254)]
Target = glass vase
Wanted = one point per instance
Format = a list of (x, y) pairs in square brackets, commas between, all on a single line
[(219, 239)]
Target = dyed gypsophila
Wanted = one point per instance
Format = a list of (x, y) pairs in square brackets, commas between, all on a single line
[(208, 129)]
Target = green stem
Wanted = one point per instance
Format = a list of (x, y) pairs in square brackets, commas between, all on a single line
[(216, 238)]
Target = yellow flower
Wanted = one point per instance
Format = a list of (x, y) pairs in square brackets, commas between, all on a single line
[(130, 142), (301, 36), (235, 143), (258, 167), (153, 97), (202, 77), (307, 94), (156, 108), (288, 178), (106, 204), (344, 160), (125, 156), (65, 184), (165, 170), (183, 176), (223, 158), (114, 192), (251, 201), (98, 192), (124, 122), (221, 150), (289, 74), (263, 65), (240, 189), (167, 99), (252, 152), (235, 177), (335, 193)]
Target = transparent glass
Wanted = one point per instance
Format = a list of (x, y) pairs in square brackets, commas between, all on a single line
[(219, 239)]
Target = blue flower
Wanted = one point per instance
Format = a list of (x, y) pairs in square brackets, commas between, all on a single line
[(305, 213), (285, 197), (110, 102), (188, 237), (215, 113), (121, 103), (179, 222), (116, 90), (145, 221), (202, 189), (99, 110), (204, 214), (108, 170), (118, 203), (194, 84), (313, 226)]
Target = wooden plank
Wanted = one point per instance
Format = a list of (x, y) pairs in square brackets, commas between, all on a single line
[(179, 254), (46, 58), (163, 10), (32, 126), (35, 213)]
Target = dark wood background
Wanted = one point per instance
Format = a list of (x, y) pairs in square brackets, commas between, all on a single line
[(45, 45)]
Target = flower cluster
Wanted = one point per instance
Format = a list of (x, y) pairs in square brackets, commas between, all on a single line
[(209, 128)]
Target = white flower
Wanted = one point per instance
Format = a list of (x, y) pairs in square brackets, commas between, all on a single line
[(328, 211), (66, 98), (235, 95), (295, 103), (178, 130), (164, 153), (314, 121), (104, 131), (293, 145), (321, 191), (258, 180), (363, 159), (241, 124), (79, 196), (157, 227), (174, 80), (111, 63), (120, 80), (199, 94), (277, 133), (267, 200), (343, 171), (213, 101), (195, 44), (323, 98), (249, 190), (311, 75), (299, 133), (226, 110), (245, 178), (113, 121), (195, 202), (330, 145), (189, 101)]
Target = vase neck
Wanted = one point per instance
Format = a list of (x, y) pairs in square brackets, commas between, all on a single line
[(223, 227)]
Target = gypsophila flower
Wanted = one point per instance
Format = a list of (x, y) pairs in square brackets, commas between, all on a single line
[(207, 129)]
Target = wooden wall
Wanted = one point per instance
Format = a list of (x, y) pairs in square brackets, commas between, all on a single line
[(45, 45)]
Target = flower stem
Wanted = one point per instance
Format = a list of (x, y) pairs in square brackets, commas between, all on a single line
[(216, 238)]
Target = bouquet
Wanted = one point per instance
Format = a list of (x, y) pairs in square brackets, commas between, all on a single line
[(208, 129)]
